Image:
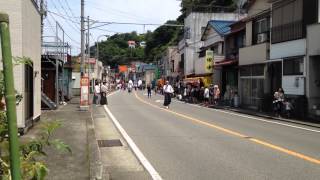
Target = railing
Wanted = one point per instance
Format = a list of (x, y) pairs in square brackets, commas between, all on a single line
[(287, 32)]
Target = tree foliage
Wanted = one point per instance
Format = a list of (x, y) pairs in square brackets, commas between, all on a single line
[(160, 39), (207, 6), (116, 51)]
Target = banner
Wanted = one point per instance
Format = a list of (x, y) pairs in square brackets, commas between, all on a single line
[(84, 91), (209, 61)]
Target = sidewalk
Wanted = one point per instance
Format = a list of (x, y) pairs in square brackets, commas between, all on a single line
[(77, 132), (81, 130), (117, 159)]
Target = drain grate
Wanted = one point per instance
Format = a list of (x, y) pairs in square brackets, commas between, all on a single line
[(109, 143)]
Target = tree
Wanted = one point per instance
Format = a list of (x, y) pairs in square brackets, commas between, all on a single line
[(115, 50), (160, 39), (188, 6)]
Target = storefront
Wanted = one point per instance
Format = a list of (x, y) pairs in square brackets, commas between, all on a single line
[(252, 86)]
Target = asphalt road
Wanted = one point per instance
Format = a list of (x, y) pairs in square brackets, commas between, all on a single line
[(189, 142)]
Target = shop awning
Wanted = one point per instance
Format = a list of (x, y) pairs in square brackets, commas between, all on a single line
[(226, 62)]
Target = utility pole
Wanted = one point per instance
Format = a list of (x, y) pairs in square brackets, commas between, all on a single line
[(82, 39), (42, 18), (84, 82), (10, 96)]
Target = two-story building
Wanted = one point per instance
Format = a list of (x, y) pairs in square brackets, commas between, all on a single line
[(295, 47), (253, 84), (194, 25), (25, 32), (214, 40)]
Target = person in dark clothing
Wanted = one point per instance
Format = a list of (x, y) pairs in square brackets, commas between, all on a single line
[(149, 90)]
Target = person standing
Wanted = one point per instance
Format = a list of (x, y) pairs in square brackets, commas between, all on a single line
[(130, 86), (206, 96), (149, 90), (168, 91), (97, 93), (216, 96), (104, 92), (278, 101)]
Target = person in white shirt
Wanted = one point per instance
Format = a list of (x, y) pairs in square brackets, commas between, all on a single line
[(97, 93), (168, 91), (206, 96), (130, 85), (103, 93), (140, 84)]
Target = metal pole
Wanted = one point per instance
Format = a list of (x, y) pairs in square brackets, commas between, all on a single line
[(42, 18), (10, 97), (82, 38), (57, 66)]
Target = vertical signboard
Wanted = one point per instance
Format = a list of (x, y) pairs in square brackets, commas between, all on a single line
[(84, 91), (209, 61)]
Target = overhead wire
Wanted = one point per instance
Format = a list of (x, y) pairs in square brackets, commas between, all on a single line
[(65, 33), (74, 27)]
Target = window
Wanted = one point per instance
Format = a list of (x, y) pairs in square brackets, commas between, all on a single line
[(252, 70), (261, 30), (293, 66), (187, 32), (287, 21)]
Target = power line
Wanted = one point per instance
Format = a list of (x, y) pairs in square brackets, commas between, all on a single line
[(63, 17), (68, 6), (64, 33), (140, 24), (127, 14), (70, 24)]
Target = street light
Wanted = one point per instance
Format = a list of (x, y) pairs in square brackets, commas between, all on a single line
[(98, 43)]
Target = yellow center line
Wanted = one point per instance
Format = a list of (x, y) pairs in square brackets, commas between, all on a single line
[(228, 131)]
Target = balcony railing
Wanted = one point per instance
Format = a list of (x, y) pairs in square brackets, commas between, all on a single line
[(287, 32)]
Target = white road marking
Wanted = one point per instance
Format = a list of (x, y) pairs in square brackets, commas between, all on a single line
[(251, 117), (159, 101), (147, 165)]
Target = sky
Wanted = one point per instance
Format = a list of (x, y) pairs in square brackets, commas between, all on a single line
[(67, 14)]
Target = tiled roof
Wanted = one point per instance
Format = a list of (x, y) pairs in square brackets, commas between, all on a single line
[(221, 27)]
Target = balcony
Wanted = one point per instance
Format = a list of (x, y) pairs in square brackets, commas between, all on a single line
[(287, 32), (254, 54), (313, 39)]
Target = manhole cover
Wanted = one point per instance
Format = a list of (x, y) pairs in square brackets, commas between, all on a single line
[(109, 143)]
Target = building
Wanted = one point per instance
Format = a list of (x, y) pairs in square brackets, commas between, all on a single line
[(213, 38), (170, 63), (256, 84), (25, 32), (295, 49), (194, 25), (230, 65)]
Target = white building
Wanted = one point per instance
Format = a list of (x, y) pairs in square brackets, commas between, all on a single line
[(25, 32), (194, 25)]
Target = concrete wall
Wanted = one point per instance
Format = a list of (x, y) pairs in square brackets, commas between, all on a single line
[(253, 54), (258, 6), (313, 40), (31, 47), (248, 33), (25, 41), (75, 84), (288, 49)]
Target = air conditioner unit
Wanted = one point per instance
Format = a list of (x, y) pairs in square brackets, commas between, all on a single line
[(262, 38)]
